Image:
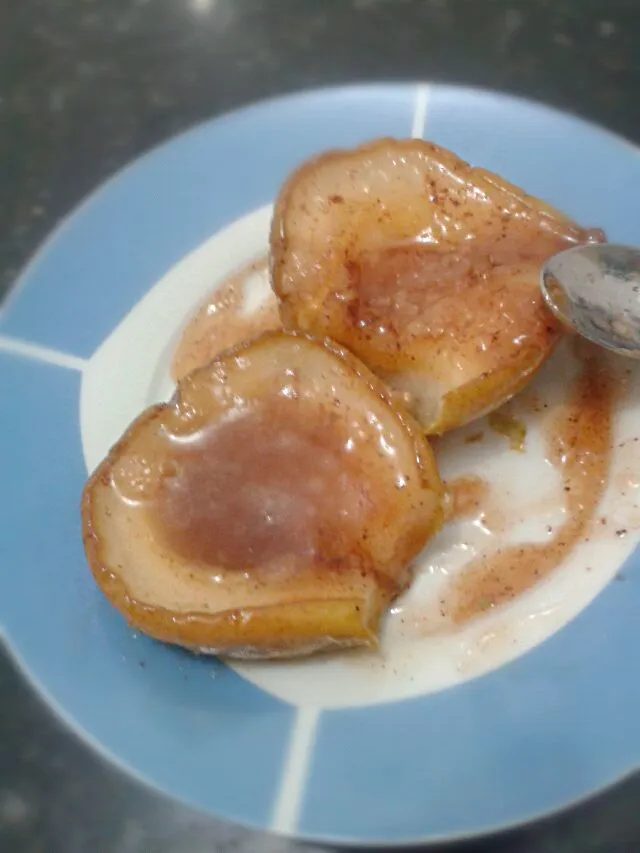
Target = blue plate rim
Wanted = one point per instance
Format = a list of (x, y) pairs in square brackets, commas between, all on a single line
[(76, 212)]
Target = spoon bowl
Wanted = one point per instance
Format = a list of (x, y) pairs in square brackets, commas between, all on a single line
[(595, 291)]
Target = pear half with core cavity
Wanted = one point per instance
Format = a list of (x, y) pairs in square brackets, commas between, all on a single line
[(271, 508), (424, 267)]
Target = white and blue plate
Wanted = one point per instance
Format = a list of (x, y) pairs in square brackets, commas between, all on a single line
[(437, 737)]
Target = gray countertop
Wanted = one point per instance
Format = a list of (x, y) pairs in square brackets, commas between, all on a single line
[(86, 85)]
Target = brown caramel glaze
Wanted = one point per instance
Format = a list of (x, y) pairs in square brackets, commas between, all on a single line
[(465, 496), (440, 292), (477, 309), (579, 441), (274, 483), (220, 324)]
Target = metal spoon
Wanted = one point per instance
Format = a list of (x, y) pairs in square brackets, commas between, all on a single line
[(595, 290)]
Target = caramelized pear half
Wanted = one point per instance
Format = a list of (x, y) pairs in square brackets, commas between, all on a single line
[(425, 268), (271, 508)]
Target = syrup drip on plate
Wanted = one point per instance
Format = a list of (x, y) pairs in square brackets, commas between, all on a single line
[(579, 442), (222, 322), (465, 497)]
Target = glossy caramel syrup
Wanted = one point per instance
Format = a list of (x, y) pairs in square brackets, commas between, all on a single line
[(273, 481)]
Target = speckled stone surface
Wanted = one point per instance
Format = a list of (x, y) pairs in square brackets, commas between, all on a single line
[(85, 86)]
